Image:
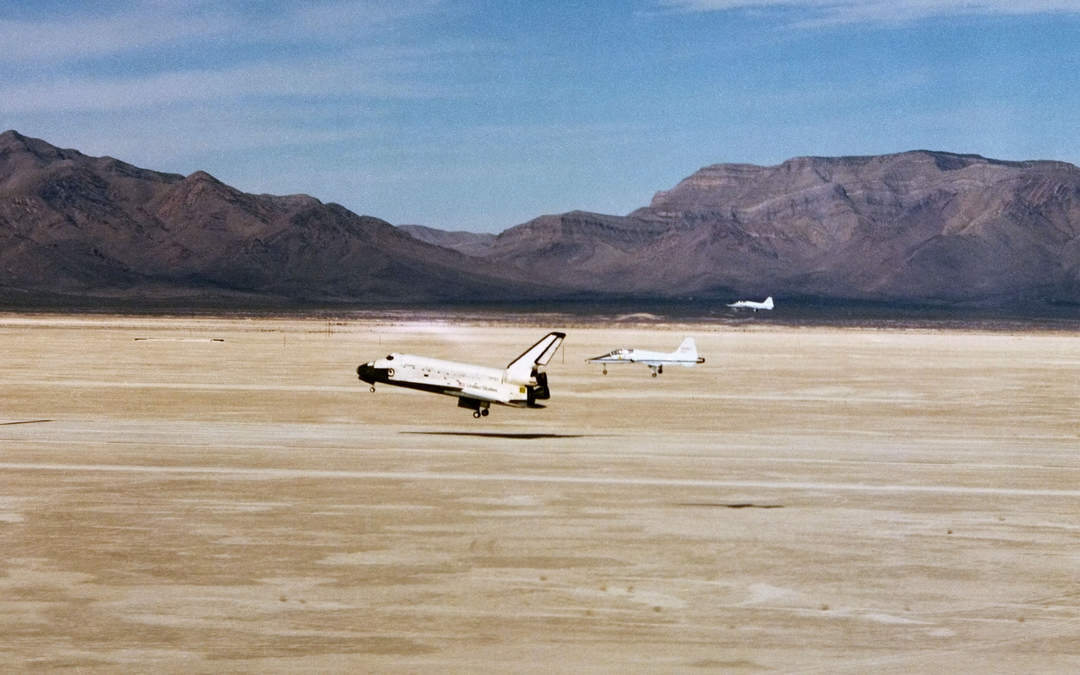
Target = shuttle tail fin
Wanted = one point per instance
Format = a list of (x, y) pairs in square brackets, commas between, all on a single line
[(523, 369)]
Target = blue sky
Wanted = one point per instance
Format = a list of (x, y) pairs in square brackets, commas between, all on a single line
[(479, 115)]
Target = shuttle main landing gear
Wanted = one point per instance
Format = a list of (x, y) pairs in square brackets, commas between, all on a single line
[(479, 408)]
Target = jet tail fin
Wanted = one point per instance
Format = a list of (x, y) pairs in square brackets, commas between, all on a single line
[(768, 303), (523, 367), (687, 349)]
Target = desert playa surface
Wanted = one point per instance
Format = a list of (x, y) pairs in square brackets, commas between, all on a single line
[(203, 494)]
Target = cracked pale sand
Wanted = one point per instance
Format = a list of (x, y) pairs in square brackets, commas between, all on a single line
[(225, 496)]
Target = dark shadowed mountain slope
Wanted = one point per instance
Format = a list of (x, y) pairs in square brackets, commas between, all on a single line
[(915, 227), (73, 225)]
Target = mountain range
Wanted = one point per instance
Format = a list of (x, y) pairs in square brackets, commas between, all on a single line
[(79, 227), (915, 227)]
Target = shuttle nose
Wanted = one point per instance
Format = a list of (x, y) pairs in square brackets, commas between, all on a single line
[(366, 372), (370, 374)]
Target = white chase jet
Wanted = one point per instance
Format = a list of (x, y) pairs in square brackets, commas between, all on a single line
[(750, 304), (686, 355), (521, 384)]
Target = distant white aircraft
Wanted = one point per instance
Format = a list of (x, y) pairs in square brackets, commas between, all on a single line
[(521, 384), (750, 304), (686, 355)]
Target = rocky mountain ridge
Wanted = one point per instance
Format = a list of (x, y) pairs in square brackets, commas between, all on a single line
[(919, 226), (914, 227), (82, 227)]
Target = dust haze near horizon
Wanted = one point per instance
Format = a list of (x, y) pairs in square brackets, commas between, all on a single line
[(472, 116)]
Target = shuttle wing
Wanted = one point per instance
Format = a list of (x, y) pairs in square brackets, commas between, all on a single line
[(478, 394)]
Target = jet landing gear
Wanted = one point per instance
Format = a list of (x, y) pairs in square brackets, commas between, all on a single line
[(656, 370)]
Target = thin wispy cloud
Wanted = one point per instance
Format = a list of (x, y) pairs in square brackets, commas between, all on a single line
[(349, 18), (338, 49), (818, 13), (78, 36), (265, 80), (147, 26)]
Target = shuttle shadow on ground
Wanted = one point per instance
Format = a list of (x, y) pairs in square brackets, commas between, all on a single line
[(495, 434), (744, 505)]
